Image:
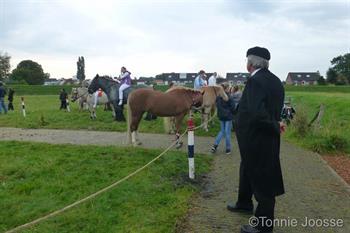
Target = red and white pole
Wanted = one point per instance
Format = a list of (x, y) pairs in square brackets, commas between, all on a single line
[(190, 143), (23, 107)]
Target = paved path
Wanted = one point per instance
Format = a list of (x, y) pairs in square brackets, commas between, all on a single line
[(313, 190)]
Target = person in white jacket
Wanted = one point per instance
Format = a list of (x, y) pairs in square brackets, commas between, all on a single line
[(212, 79)]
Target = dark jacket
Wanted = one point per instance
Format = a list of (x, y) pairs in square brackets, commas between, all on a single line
[(63, 96), (2, 92), (11, 93), (225, 108), (258, 132)]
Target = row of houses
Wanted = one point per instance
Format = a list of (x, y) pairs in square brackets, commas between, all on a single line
[(293, 78)]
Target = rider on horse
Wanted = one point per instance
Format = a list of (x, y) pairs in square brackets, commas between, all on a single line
[(125, 82)]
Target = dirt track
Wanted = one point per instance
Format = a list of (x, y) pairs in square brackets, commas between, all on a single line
[(312, 189)]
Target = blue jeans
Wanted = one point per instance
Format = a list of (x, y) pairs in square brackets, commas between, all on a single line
[(226, 127), (2, 105)]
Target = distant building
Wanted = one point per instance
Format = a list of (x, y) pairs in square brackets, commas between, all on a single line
[(302, 78), (51, 82), (237, 78), (176, 78), (145, 81)]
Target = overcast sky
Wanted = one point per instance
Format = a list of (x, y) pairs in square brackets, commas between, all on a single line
[(151, 37)]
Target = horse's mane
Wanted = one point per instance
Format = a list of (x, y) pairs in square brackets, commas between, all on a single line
[(174, 88)]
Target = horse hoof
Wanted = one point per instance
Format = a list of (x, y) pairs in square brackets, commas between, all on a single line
[(179, 145), (138, 143)]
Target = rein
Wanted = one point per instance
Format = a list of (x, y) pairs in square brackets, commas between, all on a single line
[(79, 96)]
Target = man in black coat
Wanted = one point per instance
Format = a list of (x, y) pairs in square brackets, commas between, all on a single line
[(258, 133)]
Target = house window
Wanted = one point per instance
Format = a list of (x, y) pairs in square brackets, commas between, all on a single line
[(308, 75), (239, 82), (299, 75), (236, 75), (244, 76)]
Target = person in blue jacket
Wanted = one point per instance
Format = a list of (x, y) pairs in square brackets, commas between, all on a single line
[(225, 110)]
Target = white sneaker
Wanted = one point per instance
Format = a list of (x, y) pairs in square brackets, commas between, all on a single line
[(120, 102)]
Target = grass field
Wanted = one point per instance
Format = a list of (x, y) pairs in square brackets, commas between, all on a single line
[(39, 178), (316, 88), (334, 134), (43, 112)]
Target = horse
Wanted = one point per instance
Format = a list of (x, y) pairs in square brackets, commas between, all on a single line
[(82, 95), (175, 103), (209, 102), (208, 107), (110, 87)]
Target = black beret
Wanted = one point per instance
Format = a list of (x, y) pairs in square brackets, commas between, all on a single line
[(260, 52)]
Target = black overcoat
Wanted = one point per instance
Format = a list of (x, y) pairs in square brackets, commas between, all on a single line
[(258, 132)]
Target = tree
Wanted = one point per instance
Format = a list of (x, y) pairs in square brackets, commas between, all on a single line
[(341, 80), (81, 69), (4, 65), (341, 66), (29, 71), (321, 81), (331, 76)]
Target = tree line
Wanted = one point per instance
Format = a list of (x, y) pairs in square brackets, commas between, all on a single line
[(30, 72)]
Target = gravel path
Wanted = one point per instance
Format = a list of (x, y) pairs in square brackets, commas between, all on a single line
[(313, 190)]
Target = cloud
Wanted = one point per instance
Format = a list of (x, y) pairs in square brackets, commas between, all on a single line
[(163, 36)]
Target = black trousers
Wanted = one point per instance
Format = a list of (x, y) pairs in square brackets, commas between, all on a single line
[(266, 204), (10, 106), (63, 104)]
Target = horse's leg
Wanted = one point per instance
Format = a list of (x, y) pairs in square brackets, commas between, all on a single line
[(178, 120), (135, 121), (119, 115), (206, 118), (113, 110)]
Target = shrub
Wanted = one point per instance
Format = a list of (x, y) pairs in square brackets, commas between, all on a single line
[(300, 123)]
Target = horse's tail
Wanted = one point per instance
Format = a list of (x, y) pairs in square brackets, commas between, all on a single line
[(128, 124)]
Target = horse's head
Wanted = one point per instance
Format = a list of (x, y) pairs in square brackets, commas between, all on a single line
[(74, 94), (221, 92), (197, 98), (93, 87)]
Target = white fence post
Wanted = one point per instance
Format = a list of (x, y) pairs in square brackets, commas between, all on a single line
[(23, 107), (190, 144)]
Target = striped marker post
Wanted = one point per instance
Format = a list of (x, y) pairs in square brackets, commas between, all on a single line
[(23, 107), (190, 143)]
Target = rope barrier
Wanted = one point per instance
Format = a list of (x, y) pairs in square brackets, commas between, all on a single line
[(29, 224)]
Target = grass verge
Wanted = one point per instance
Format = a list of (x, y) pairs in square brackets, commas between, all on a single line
[(38, 178)]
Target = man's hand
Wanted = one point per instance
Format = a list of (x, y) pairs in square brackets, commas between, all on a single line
[(283, 127)]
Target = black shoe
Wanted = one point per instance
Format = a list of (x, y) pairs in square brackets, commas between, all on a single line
[(214, 148), (238, 209), (228, 151), (250, 229)]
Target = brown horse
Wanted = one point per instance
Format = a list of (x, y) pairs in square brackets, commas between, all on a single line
[(209, 102), (208, 107), (175, 103)]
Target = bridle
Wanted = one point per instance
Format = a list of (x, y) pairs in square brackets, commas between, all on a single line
[(79, 96)]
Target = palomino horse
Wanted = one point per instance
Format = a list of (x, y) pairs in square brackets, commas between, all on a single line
[(208, 107), (175, 103), (209, 102), (91, 100), (110, 87)]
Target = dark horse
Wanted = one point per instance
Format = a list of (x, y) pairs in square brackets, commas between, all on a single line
[(111, 88)]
